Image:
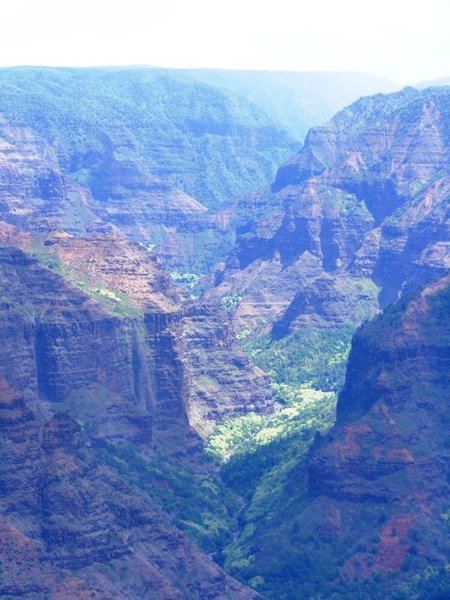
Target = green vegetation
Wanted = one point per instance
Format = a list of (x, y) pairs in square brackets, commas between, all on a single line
[(305, 410), (187, 280), (232, 433), (206, 140), (275, 446), (260, 456), (431, 584), (262, 470), (309, 357), (229, 302), (199, 502)]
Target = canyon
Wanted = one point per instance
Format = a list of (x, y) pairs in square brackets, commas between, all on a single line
[(184, 441), (366, 508)]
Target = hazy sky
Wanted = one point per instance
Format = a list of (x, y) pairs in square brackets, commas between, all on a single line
[(405, 40)]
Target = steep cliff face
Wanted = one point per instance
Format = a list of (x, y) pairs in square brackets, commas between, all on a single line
[(390, 445), (61, 343), (357, 217), (35, 194), (64, 512), (370, 505), (119, 378), (397, 398), (106, 321), (39, 194), (223, 381)]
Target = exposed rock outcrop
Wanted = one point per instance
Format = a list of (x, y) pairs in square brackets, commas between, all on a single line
[(121, 334), (356, 218), (62, 511)]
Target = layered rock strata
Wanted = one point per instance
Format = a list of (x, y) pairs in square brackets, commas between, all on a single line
[(356, 218), (64, 513)]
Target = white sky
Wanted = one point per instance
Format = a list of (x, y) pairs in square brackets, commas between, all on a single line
[(405, 40)]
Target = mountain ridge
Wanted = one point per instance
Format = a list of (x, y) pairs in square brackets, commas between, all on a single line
[(368, 189)]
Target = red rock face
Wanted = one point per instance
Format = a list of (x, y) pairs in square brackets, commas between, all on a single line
[(368, 508), (354, 219), (125, 268), (137, 347), (111, 353), (63, 511), (392, 551)]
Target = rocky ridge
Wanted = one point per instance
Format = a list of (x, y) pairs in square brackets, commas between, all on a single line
[(359, 216), (38, 195)]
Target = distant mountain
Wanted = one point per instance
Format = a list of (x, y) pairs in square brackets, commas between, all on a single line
[(433, 82), (105, 123), (297, 100)]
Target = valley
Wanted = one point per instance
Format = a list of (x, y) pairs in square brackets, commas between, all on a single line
[(225, 348)]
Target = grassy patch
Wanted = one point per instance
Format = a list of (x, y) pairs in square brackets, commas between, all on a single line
[(229, 302), (118, 304)]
